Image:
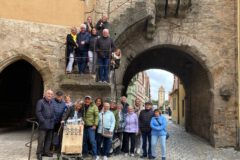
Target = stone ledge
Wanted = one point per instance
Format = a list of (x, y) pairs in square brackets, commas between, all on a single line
[(86, 81)]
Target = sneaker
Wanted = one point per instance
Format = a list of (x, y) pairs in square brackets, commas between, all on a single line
[(100, 81), (105, 158), (97, 158), (138, 151), (125, 154), (132, 154), (105, 82)]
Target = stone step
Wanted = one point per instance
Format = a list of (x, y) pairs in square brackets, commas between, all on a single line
[(85, 81)]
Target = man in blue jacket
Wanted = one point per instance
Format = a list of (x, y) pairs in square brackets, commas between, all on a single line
[(45, 116), (82, 50), (59, 109)]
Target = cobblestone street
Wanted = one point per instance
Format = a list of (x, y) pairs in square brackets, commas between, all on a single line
[(180, 146)]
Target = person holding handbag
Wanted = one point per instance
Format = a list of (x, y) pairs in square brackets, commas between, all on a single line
[(106, 124), (159, 131)]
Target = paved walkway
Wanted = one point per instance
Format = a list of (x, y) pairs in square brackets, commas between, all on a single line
[(180, 146)]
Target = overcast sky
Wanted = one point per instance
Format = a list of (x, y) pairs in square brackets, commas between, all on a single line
[(160, 77)]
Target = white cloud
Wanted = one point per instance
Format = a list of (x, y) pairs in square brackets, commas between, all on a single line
[(157, 78)]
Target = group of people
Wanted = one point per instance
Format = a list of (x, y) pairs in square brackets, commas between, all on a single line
[(131, 125), (92, 49)]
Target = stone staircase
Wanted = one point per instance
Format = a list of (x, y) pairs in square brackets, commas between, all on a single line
[(81, 85), (85, 81)]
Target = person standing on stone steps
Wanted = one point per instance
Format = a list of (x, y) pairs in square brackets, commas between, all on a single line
[(82, 50), (71, 49), (92, 54), (105, 47), (89, 24), (102, 24), (45, 117)]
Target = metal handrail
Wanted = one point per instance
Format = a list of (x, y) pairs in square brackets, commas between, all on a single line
[(35, 126)]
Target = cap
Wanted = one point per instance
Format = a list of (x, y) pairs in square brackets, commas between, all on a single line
[(88, 97), (148, 102), (59, 93)]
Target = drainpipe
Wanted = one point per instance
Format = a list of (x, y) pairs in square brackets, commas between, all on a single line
[(238, 67)]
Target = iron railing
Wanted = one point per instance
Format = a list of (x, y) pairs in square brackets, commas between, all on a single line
[(35, 126)]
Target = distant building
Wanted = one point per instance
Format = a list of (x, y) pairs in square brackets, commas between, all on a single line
[(139, 87), (161, 96), (177, 102)]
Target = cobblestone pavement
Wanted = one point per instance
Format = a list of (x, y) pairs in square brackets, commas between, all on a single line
[(180, 146)]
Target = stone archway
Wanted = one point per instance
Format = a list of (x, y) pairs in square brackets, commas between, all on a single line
[(21, 86), (203, 63), (41, 67), (195, 77), (33, 74)]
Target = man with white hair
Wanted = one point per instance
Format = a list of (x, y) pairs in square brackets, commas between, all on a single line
[(105, 47), (82, 51), (45, 117)]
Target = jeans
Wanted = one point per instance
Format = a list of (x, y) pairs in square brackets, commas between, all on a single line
[(82, 58), (126, 137), (162, 144), (44, 141), (137, 142), (103, 68), (89, 134), (70, 62), (146, 136), (90, 62), (106, 145)]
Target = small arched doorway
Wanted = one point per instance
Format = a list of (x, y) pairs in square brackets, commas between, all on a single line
[(21, 86), (194, 75)]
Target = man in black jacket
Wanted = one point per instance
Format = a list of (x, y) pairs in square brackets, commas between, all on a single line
[(102, 24), (45, 116), (144, 126), (105, 47)]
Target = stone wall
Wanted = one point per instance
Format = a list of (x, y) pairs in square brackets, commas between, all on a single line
[(43, 46), (208, 34)]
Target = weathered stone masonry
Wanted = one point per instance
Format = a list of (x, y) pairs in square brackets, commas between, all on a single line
[(200, 47)]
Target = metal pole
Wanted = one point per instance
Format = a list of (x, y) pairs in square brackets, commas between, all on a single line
[(30, 147)]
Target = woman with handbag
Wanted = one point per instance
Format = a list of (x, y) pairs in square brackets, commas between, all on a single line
[(159, 131), (106, 124)]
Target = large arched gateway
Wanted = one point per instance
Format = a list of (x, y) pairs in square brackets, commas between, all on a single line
[(194, 75), (205, 70)]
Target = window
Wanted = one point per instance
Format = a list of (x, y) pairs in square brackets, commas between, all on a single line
[(174, 103)]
